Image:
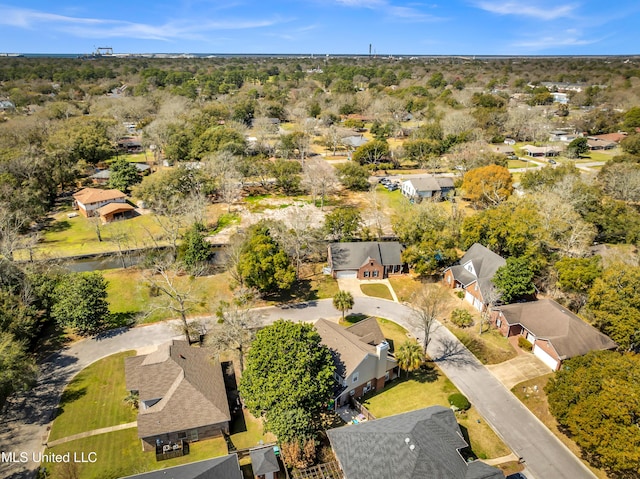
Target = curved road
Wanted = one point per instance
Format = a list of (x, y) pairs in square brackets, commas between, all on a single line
[(25, 421)]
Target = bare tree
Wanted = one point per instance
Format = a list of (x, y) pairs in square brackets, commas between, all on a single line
[(429, 303), (236, 326), (321, 180), (297, 235), (222, 167), (119, 236), (11, 239), (490, 298), (180, 293)]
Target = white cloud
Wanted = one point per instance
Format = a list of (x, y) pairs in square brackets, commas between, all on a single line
[(531, 9), (399, 12), (107, 28), (568, 38)]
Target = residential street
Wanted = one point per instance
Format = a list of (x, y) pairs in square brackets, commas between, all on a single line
[(24, 422)]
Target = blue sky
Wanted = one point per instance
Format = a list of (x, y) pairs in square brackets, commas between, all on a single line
[(458, 27)]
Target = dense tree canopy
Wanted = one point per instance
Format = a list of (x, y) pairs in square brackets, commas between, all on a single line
[(514, 280), (595, 397), (488, 185), (123, 175), (614, 304), (81, 302), (289, 374)]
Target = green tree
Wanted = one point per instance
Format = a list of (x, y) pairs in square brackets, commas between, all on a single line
[(342, 223), (18, 369), (614, 304), (514, 280), (287, 175), (578, 147), (487, 185), (263, 264), (81, 302), (576, 275), (410, 356), (82, 139), (195, 250), (594, 397), (631, 144), (288, 379), (123, 175), (343, 301), (632, 118), (371, 152), (354, 176)]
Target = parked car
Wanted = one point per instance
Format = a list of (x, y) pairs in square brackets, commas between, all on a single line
[(552, 162)]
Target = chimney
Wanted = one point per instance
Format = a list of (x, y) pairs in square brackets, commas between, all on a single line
[(382, 351)]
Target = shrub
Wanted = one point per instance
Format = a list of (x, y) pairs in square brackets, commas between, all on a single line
[(460, 294), (524, 344), (459, 401), (461, 318)]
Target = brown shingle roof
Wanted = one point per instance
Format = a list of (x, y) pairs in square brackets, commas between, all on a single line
[(546, 319), (89, 196), (114, 208), (188, 384)]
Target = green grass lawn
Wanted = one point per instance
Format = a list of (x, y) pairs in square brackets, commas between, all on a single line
[(405, 286), (94, 399), (393, 333), (120, 454), (517, 164), (430, 387), (128, 293), (247, 431), (490, 347), (376, 290)]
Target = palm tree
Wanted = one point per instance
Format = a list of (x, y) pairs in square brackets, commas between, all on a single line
[(342, 301), (409, 356)]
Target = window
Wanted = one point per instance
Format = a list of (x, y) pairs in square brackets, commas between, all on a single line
[(386, 376), (355, 378), (498, 322), (352, 392), (366, 274), (367, 388), (375, 273)]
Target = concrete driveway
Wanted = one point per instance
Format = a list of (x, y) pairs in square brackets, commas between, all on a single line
[(519, 369)]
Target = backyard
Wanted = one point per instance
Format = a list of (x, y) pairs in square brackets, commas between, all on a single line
[(96, 399)]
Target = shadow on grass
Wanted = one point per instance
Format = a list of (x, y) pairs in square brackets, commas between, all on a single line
[(354, 318), (467, 453), (124, 319), (69, 396), (58, 226), (238, 424), (300, 291)]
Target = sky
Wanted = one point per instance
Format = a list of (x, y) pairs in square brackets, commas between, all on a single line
[(319, 27)]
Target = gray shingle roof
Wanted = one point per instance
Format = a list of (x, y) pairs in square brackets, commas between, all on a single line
[(226, 467), (354, 255), (186, 381), (263, 461), (347, 349), (379, 449), (368, 330), (546, 319), (485, 264)]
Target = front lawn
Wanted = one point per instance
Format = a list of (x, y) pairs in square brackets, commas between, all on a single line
[(377, 290), (430, 387), (129, 294), (120, 454), (405, 286), (94, 399)]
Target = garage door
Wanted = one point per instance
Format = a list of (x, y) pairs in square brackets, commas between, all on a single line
[(545, 357), (347, 274), (468, 297)]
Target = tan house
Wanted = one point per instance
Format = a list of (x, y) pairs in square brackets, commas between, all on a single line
[(365, 260), (88, 200), (555, 332), (361, 356), (182, 395), (115, 211), (474, 273)]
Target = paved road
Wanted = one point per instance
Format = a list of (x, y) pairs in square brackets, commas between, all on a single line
[(25, 421)]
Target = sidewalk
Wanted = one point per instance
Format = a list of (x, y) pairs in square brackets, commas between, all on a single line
[(95, 432)]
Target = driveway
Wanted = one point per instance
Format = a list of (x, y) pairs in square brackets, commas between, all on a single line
[(24, 422), (353, 286), (519, 369)]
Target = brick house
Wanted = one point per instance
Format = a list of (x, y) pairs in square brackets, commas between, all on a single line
[(365, 260), (182, 395), (361, 356), (474, 273), (555, 332)]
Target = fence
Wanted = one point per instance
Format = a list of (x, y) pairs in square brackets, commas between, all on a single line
[(361, 409)]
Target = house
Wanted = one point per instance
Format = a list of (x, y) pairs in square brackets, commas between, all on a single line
[(614, 137), (224, 467), (115, 211), (264, 463), (88, 200), (598, 144), (507, 151), (474, 273), (555, 332), (354, 141), (425, 443), (361, 356), (365, 260), (540, 151), (420, 187), (102, 177), (130, 144), (6, 105), (182, 394)]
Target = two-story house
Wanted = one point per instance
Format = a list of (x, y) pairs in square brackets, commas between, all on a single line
[(361, 356)]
